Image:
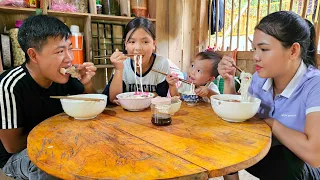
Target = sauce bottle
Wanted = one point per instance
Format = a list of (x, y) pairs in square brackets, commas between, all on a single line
[(160, 107)]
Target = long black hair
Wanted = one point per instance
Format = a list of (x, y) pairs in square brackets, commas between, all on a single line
[(140, 22), (288, 27), (35, 31)]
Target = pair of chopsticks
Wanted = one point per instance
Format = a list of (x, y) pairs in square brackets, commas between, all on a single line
[(77, 98), (182, 80), (237, 67), (234, 57), (123, 54)]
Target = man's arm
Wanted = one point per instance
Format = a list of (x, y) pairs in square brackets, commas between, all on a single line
[(13, 140), (88, 88)]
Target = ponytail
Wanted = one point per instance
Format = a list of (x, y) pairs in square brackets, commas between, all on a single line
[(310, 56)]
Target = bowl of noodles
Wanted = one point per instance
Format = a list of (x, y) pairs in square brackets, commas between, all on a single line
[(83, 110), (190, 99), (134, 101), (234, 108)]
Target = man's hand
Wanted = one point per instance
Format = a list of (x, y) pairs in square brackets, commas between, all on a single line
[(86, 70)]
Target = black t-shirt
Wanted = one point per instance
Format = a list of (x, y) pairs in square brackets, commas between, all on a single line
[(24, 104)]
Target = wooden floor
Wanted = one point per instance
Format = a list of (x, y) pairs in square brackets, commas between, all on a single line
[(3, 176), (243, 175)]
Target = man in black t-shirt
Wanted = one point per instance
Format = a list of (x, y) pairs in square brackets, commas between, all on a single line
[(25, 90)]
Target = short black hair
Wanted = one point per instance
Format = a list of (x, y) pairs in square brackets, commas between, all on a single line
[(36, 30), (212, 56)]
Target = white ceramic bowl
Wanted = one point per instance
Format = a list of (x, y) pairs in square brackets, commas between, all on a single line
[(82, 110), (128, 102), (175, 107), (234, 111)]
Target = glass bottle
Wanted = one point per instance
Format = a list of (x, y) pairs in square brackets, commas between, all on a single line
[(160, 107), (111, 7), (139, 8)]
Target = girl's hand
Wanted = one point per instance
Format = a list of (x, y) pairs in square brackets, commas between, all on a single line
[(117, 59), (202, 91), (172, 79), (225, 68)]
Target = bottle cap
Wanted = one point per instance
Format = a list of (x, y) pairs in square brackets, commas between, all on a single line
[(74, 29), (161, 100)]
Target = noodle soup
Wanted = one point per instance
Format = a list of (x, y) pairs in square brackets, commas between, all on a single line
[(134, 102), (231, 108)]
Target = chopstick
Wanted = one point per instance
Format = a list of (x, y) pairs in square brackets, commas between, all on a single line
[(123, 54), (182, 80), (77, 98), (236, 67), (234, 57)]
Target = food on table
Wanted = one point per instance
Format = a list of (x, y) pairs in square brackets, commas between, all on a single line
[(138, 63), (244, 86)]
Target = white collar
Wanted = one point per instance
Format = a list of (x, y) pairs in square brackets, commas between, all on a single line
[(292, 84)]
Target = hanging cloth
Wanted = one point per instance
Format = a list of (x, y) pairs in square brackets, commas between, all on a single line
[(213, 17)]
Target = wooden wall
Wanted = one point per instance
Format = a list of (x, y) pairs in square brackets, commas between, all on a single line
[(245, 60), (182, 29)]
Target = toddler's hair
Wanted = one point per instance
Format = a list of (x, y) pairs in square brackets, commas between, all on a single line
[(212, 56)]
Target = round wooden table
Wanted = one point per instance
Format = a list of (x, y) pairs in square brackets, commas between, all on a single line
[(125, 145)]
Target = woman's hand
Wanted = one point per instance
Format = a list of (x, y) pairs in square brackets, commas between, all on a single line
[(117, 59), (225, 68)]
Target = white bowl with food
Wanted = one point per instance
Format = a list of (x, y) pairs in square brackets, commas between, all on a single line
[(133, 101), (175, 106), (232, 108), (84, 109)]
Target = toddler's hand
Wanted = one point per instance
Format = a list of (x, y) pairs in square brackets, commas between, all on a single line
[(172, 79), (202, 91)]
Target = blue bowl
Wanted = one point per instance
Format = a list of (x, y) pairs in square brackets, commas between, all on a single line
[(190, 99)]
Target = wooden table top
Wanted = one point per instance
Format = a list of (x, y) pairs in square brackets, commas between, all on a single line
[(125, 145)]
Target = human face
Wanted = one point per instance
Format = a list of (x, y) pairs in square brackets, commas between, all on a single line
[(55, 54), (200, 72), (141, 43), (271, 58)]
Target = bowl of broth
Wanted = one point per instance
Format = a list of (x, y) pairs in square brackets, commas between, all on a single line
[(133, 101), (233, 108), (83, 110)]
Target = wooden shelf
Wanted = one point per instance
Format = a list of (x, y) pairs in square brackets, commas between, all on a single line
[(17, 10), (68, 14), (113, 18), (104, 66)]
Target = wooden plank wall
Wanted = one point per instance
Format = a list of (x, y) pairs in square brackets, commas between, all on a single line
[(245, 60), (183, 28), (169, 29)]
